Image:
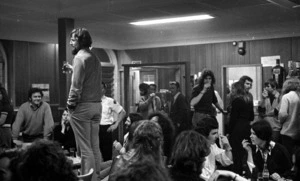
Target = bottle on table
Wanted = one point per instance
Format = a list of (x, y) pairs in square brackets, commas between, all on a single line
[(265, 173)]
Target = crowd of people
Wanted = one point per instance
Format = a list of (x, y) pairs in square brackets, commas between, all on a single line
[(180, 143)]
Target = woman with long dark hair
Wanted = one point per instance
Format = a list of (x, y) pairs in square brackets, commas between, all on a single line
[(239, 123), (203, 96), (6, 117)]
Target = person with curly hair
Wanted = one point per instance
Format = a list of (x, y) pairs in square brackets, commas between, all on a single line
[(188, 156), (146, 145), (289, 112), (168, 131), (203, 97), (45, 160), (141, 170)]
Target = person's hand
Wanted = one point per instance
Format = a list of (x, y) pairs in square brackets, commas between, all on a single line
[(265, 94), (206, 87), (67, 68), (117, 145), (246, 145), (218, 173), (224, 142), (224, 112), (275, 176), (18, 143), (63, 127), (112, 127)]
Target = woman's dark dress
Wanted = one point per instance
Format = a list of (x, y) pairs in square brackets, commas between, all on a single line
[(239, 129)]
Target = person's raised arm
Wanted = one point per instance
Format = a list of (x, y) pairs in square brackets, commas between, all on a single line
[(197, 98)]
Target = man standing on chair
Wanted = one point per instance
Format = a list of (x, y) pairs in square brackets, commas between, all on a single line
[(84, 101), (112, 114)]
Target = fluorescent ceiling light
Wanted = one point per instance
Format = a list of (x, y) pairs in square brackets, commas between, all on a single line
[(172, 20)]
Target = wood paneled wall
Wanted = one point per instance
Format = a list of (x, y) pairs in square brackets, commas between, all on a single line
[(32, 63), (214, 56)]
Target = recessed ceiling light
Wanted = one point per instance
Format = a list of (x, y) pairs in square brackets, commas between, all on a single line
[(172, 20)]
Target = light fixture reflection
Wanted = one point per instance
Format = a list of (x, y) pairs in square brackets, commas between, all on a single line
[(172, 20)]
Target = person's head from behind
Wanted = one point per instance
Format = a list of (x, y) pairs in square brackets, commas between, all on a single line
[(291, 84), (189, 152), (144, 89), (271, 85), (152, 88), (4, 96), (8, 167), (261, 134), (168, 131), (35, 95), (174, 87), (130, 119), (209, 128), (237, 89), (247, 82), (45, 160), (148, 141), (207, 77), (80, 38), (141, 170)]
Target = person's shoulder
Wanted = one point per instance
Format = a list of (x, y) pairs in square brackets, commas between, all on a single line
[(196, 87), (110, 100), (45, 104), (24, 105)]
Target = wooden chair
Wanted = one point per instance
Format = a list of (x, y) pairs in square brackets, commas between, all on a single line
[(86, 177)]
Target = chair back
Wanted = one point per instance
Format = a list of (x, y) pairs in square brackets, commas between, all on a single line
[(86, 177)]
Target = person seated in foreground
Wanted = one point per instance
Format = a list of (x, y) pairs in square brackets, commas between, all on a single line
[(188, 156), (8, 164), (45, 160), (208, 127), (146, 145), (63, 133), (168, 131), (141, 171), (262, 151), (128, 121), (34, 119)]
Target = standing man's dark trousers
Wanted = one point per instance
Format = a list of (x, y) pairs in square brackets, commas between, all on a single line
[(106, 142)]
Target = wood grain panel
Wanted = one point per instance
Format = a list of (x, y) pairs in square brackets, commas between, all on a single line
[(22, 71), (214, 56)]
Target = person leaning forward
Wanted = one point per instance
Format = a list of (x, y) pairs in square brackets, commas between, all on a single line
[(34, 119)]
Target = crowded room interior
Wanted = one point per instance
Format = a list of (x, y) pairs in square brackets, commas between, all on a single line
[(157, 90)]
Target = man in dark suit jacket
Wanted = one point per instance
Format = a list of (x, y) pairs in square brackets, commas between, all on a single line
[(179, 112)]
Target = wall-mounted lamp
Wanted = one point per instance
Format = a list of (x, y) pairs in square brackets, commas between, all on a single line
[(234, 43), (241, 48)]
